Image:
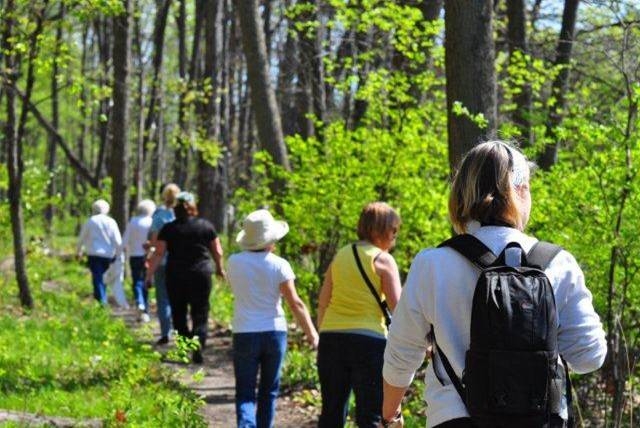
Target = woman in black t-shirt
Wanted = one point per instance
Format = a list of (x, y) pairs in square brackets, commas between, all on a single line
[(190, 243)]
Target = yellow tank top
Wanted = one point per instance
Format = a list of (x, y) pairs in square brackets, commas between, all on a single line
[(352, 306)]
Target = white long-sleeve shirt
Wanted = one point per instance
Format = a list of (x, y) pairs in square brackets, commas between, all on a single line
[(136, 235), (100, 236), (439, 291)]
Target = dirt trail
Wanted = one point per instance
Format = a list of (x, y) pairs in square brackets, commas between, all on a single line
[(217, 387)]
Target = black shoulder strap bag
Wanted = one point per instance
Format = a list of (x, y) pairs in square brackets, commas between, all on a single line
[(382, 303)]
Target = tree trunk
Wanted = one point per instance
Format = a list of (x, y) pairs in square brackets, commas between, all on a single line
[(263, 100), (138, 171), (517, 40), (469, 62), (311, 66), (14, 150), (563, 55), (210, 119), (55, 122), (120, 115), (182, 152), (103, 29), (151, 128)]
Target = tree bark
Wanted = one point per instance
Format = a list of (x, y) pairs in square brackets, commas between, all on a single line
[(561, 83), (263, 100), (150, 122), (517, 41), (119, 166), (182, 152), (15, 166), (469, 63), (311, 65), (55, 121), (102, 31), (208, 174)]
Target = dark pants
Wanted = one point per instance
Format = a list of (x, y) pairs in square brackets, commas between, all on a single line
[(98, 266), (348, 361), (140, 292), (253, 352), (189, 292)]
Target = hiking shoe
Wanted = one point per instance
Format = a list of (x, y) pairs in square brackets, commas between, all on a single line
[(163, 340), (145, 317)]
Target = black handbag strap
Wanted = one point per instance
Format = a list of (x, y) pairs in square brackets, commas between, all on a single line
[(383, 304)]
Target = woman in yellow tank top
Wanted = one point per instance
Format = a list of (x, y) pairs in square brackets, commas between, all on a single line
[(352, 325)]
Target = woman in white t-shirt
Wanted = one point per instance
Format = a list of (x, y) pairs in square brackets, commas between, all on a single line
[(259, 279)]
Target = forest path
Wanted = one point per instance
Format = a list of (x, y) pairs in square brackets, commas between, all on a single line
[(216, 386)]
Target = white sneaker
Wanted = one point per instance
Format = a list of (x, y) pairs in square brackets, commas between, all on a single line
[(141, 307), (145, 317)]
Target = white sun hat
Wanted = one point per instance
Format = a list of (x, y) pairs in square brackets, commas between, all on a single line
[(259, 229)]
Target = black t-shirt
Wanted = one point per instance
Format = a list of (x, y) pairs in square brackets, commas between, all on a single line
[(188, 243)]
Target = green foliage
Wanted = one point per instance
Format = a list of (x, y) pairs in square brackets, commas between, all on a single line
[(82, 363)]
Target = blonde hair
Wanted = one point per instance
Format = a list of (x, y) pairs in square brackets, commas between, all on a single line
[(376, 220), (484, 186), (169, 194)]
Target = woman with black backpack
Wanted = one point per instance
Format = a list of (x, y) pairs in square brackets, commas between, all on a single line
[(500, 311)]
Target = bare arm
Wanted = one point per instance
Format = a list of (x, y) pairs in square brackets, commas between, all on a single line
[(216, 251), (156, 259), (325, 296), (299, 309), (386, 267), (392, 400)]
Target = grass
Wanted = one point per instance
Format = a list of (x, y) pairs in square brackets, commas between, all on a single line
[(70, 358)]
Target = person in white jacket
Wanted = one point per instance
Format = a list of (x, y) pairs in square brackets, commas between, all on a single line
[(101, 239), (490, 199), (135, 244)]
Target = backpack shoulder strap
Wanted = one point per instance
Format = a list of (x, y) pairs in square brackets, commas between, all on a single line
[(471, 248), (542, 253)]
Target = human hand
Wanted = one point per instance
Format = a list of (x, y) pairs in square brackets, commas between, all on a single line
[(396, 422), (313, 340), (220, 273), (148, 282)]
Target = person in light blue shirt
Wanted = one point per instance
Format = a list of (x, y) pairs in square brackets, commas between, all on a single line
[(163, 215)]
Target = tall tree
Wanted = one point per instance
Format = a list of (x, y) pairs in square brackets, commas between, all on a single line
[(14, 131), (208, 174), (469, 63), (55, 118), (311, 65), (561, 83), (151, 128), (182, 151), (119, 165), (517, 41), (263, 99)]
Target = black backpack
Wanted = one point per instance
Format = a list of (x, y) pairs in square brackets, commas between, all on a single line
[(512, 377)]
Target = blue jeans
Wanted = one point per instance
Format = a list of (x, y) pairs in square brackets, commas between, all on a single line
[(98, 266), (262, 351), (140, 293), (162, 301), (350, 361)]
